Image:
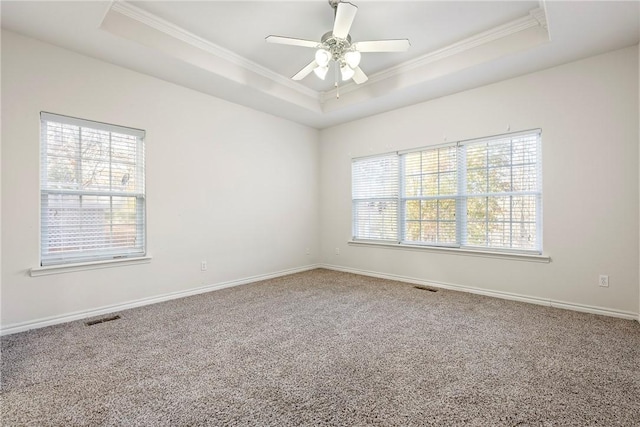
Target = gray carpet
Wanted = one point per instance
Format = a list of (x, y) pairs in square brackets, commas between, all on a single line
[(327, 348)]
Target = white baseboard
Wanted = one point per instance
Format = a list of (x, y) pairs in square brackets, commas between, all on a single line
[(496, 294), (69, 317)]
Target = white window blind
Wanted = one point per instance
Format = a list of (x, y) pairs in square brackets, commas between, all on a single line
[(375, 197), (92, 191), (483, 193)]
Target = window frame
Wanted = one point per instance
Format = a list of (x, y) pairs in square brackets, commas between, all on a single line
[(380, 195), (403, 198), (461, 198), (109, 255)]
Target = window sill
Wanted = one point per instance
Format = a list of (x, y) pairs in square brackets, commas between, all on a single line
[(82, 266), (518, 256)]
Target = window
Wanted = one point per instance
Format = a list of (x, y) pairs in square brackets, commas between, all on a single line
[(430, 187), (92, 191), (375, 197), (483, 193)]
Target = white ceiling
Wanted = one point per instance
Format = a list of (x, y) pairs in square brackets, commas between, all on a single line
[(217, 47), (428, 25)]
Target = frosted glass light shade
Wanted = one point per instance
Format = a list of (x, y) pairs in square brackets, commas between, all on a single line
[(323, 57), (352, 58), (347, 72), (321, 72)]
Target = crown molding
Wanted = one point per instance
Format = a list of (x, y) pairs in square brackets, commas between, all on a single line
[(185, 36), (535, 18), (539, 15)]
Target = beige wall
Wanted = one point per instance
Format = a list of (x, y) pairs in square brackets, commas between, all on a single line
[(246, 191), (588, 113), (225, 183), (0, 193)]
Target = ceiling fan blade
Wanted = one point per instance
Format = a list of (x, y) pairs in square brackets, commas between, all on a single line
[(305, 71), (359, 76), (383, 46), (344, 18), (291, 41)]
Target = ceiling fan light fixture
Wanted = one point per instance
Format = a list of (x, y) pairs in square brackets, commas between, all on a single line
[(347, 72), (321, 72), (336, 46), (323, 57), (352, 58)]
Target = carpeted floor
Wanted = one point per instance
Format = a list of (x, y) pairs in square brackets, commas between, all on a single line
[(327, 348)]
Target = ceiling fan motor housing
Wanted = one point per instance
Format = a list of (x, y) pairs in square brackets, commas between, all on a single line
[(335, 45)]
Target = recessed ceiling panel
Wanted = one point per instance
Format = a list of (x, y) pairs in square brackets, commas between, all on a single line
[(241, 27)]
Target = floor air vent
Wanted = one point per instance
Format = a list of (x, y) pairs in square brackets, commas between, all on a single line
[(104, 319), (424, 288)]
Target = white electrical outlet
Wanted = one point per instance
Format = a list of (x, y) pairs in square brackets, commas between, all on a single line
[(604, 281), (308, 252), (203, 266), (337, 251)]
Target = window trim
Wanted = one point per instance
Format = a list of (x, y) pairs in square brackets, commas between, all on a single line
[(461, 197), (121, 257), (450, 250), (89, 265)]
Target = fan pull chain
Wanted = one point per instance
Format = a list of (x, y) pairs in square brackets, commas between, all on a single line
[(336, 82)]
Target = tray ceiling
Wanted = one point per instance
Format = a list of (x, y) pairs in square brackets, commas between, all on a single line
[(218, 47)]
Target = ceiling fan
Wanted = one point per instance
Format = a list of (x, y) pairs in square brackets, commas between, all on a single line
[(336, 46)]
